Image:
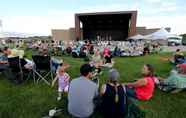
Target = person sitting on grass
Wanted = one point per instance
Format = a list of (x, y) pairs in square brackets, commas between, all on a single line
[(4, 66), (107, 55), (82, 92), (117, 51), (143, 89), (176, 81), (146, 49), (96, 60), (4, 58), (113, 97), (63, 80), (179, 57), (108, 58)]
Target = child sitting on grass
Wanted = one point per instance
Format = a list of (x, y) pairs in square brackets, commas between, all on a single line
[(63, 80)]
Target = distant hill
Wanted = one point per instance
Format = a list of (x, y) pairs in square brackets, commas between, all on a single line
[(17, 34)]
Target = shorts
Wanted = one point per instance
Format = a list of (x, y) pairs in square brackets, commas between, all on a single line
[(65, 89)]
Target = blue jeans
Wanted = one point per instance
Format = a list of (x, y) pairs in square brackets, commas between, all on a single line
[(131, 93)]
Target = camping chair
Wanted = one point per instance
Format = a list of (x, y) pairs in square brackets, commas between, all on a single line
[(15, 68), (42, 68)]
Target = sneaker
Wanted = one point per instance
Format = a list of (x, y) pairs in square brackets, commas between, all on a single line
[(58, 98)]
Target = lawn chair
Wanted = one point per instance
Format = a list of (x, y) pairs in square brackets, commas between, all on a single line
[(15, 68), (42, 68)]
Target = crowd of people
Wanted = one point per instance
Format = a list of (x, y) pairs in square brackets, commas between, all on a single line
[(84, 95), (25, 63), (81, 101), (82, 48), (113, 93), (123, 48)]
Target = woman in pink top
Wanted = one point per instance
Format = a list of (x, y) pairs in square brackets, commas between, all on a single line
[(107, 55), (143, 89), (106, 52)]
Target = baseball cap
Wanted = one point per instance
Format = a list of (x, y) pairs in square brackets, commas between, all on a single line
[(113, 75)]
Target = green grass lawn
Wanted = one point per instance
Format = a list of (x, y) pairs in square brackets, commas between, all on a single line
[(31, 100)]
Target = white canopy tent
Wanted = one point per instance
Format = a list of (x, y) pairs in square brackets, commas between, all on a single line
[(161, 34)]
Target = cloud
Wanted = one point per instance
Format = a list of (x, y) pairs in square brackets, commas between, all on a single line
[(148, 15), (112, 7), (26, 24), (176, 23), (37, 24)]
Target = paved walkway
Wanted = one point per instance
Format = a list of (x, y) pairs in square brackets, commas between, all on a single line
[(173, 48)]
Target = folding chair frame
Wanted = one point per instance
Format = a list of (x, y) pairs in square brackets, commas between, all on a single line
[(40, 77)]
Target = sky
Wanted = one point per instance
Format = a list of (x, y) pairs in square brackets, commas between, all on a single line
[(40, 16)]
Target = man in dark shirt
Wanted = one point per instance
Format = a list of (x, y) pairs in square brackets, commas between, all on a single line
[(4, 67)]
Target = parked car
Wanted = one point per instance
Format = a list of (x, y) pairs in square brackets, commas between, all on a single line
[(173, 41)]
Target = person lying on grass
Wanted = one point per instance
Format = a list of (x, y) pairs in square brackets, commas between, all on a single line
[(176, 81), (63, 80), (143, 89)]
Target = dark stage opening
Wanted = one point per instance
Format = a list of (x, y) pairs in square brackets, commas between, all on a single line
[(105, 27)]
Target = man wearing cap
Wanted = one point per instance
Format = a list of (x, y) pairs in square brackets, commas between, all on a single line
[(82, 92)]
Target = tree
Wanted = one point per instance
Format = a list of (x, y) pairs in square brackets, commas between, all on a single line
[(184, 39)]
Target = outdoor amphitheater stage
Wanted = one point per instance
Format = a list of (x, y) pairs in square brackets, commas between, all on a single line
[(105, 25)]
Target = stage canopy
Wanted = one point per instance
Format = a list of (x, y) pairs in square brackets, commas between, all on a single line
[(105, 25)]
